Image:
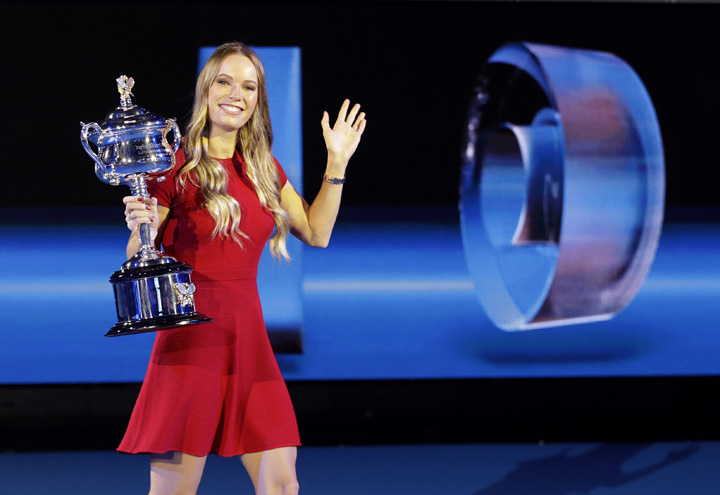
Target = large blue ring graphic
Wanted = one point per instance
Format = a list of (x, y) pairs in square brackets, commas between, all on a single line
[(562, 186)]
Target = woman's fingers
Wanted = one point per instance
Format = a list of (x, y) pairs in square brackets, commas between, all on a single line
[(342, 114), (353, 115), (354, 118), (342, 139), (140, 210), (359, 124)]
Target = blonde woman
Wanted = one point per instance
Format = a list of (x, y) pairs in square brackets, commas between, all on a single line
[(216, 388)]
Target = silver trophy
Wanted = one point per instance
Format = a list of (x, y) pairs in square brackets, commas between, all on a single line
[(153, 291)]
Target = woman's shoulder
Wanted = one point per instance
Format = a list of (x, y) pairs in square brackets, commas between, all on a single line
[(281, 173)]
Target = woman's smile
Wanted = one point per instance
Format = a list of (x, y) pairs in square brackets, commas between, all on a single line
[(231, 109)]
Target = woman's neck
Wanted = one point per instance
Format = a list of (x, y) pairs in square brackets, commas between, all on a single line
[(222, 145)]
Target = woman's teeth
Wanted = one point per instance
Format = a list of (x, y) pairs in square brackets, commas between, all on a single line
[(231, 109)]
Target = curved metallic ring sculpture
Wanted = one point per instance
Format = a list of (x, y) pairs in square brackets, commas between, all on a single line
[(562, 186)]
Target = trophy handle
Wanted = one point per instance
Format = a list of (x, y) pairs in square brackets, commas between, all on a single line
[(172, 126), (86, 130), (100, 167)]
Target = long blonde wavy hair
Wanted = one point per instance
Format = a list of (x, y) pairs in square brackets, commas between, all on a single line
[(254, 142)]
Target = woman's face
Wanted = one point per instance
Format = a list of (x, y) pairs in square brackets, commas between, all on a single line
[(233, 94)]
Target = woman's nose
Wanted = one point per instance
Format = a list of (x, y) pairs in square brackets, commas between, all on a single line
[(236, 91)]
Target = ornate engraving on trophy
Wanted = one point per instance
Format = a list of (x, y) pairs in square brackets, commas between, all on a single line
[(185, 292)]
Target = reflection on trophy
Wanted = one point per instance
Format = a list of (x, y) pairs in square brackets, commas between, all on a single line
[(153, 291)]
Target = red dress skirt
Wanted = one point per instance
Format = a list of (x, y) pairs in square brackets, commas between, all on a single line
[(215, 387)]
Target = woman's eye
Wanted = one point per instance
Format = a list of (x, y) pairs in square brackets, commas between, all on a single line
[(249, 88)]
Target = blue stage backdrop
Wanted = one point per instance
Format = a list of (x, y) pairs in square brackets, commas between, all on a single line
[(389, 299), (385, 300)]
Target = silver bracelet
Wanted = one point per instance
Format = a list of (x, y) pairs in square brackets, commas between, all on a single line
[(334, 180)]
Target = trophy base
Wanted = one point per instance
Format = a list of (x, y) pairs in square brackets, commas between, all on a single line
[(156, 323)]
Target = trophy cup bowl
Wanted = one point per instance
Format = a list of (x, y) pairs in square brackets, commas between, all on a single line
[(153, 291)]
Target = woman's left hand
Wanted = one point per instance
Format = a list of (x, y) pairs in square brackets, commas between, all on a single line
[(343, 138)]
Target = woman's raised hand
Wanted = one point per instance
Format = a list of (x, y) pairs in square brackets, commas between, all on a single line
[(141, 210), (343, 138)]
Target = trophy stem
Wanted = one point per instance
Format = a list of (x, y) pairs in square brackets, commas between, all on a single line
[(148, 248), (138, 188)]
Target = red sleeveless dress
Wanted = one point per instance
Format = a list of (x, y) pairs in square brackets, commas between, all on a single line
[(214, 387)]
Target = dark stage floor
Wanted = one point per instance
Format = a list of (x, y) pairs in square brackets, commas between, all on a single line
[(478, 469)]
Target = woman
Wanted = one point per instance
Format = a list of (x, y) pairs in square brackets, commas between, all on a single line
[(217, 387)]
